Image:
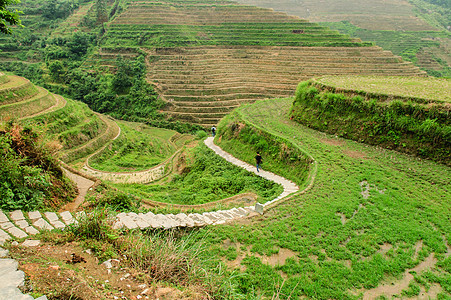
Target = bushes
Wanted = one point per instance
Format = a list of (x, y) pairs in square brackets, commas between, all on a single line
[(205, 177), (171, 257), (30, 178), (415, 126), (279, 156)]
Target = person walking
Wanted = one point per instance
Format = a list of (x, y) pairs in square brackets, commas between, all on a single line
[(258, 160), (213, 131)]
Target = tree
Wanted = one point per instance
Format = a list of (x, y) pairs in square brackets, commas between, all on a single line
[(102, 15), (7, 16), (56, 69)]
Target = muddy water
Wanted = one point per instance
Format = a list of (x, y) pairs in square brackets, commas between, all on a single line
[(396, 287)]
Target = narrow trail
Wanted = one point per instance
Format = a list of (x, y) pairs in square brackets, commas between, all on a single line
[(289, 187), (83, 185), (60, 103)]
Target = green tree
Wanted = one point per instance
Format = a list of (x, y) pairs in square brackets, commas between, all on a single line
[(7, 16), (56, 69), (102, 15)]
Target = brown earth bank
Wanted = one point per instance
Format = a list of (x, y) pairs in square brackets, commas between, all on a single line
[(66, 271)]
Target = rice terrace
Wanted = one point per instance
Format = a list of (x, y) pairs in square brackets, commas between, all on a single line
[(113, 184)]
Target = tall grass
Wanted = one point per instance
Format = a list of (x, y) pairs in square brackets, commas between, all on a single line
[(179, 258), (411, 126)]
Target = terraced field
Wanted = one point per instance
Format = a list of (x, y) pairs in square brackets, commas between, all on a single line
[(20, 98), (206, 58), (375, 224), (202, 84), (78, 130), (397, 26), (374, 15), (73, 21), (127, 156)]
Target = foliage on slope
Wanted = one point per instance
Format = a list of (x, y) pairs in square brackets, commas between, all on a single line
[(205, 177), (57, 62), (30, 176), (244, 139), (414, 125), (371, 217)]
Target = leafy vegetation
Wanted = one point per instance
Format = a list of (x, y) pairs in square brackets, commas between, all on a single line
[(371, 215), (436, 12), (138, 148), (30, 176), (8, 16), (57, 63), (417, 126), (205, 177)]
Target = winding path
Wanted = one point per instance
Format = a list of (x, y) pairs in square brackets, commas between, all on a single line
[(19, 225), (289, 187)]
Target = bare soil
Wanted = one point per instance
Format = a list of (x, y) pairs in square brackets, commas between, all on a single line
[(395, 287), (67, 272), (273, 260)]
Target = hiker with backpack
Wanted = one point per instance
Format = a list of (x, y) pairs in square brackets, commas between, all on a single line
[(258, 160)]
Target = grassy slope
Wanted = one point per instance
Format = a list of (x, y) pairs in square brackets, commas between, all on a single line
[(419, 87), (205, 177), (335, 258), (137, 148)]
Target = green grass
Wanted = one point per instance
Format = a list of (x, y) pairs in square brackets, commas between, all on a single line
[(262, 34), (383, 111), (205, 178), (408, 202), (415, 87), (139, 147), (279, 155)]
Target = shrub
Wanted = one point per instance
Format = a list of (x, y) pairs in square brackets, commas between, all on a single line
[(29, 176)]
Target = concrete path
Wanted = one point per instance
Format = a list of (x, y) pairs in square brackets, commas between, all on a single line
[(17, 225), (289, 187)]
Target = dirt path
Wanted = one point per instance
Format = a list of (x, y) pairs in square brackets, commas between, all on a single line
[(83, 186), (60, 103)]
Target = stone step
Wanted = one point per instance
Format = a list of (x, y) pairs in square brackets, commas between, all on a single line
[(67, 217)]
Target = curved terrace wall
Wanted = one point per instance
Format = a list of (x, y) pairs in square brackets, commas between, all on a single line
[(413, 124)]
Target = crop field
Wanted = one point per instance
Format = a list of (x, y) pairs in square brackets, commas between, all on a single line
[(74, 20), (137, 148), (202, 84), (410, 115), (373, 15), (430, 89), (205, 58), (78, 130), (375, 224), (195, 175), (255, 33), (427, 49), (405, 28)]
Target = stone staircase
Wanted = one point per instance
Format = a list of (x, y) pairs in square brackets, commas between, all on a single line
[(17, 225)]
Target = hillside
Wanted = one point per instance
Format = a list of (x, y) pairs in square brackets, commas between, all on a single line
[(417, 30), (410, 115), (374, 224), (203, 58), (135, 163), (367, 222), (207, 58)]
